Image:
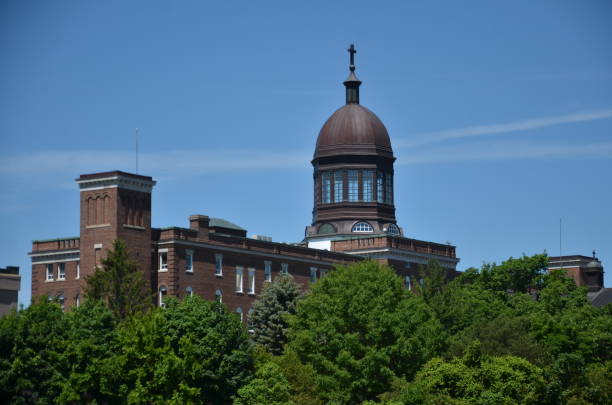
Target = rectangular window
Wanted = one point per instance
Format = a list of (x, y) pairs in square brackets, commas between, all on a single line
[(284, 268), (325, 187), (49, 272), (353, 185), (367, 185), (238, 279), (322, 273), (267, 270), (189, 261), (313, 274), (218, 264), (408, 282), (163, 260), (78, 273), (379, 187), (251, 282), (61, 271), (338, 187), (389, 188)]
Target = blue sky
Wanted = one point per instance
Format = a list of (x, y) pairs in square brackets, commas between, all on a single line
[(500, 114)]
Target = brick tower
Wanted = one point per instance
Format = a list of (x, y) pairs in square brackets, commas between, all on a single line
[(115, 205)]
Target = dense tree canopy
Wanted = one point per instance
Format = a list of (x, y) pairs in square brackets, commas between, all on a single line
[(503, 334), (358, 328)]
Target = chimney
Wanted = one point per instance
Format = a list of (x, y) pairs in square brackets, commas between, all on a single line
[(200, 223)]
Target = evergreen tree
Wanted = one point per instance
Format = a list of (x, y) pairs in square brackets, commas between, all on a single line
[(119, 283), (268, 319)]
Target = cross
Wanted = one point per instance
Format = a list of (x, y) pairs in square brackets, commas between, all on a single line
[(352, 51)]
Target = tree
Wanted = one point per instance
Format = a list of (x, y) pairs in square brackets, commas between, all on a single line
[(119, 283), (31, 344), (268, 319), (358, 328), (474, 379), (87, 361), (269, 387), (192, 351)]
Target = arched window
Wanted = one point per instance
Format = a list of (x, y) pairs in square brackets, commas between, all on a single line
[(239, 312), (362, 227), (218, 295), (163, 291), (392, 229), (189, 291), (61, 300), (77, 300), (326, 229)]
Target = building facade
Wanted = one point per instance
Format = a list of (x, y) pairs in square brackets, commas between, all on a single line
[(10, 283), (353, 219)]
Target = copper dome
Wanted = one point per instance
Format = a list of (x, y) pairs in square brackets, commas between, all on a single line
[(353, 129)]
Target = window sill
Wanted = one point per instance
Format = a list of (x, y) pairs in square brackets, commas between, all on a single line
[(97, 226), (49, 281), (251, 294), (135, 227), (61, 279), (162, 270), (239, 293), (189, 271), (219, 275)]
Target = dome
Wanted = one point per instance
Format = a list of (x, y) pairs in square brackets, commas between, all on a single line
[(353, 129)]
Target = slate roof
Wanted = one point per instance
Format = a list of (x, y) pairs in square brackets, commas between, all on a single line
[(222, 223), (601, 297)]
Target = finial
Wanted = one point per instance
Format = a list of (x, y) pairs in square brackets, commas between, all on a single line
[(352, 83), (594, 254), (352, 51)]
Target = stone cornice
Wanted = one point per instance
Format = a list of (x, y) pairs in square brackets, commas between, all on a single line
[(116, 181)]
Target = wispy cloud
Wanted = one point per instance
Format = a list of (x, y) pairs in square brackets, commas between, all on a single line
[(490, 151), (495, 129), (170, 162)]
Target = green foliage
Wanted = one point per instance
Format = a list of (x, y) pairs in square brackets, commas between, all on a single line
[(32, 342), (516, 275), (193, 351), (87, 360), (358, 328), (475, 379), (268, 318), (268, 387), (504, 334), (119, 283)]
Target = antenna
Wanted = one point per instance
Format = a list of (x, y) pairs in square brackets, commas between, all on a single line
[(560, 241), (136, 138)]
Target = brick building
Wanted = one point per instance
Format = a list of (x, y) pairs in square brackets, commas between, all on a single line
[(353, 218), (586, 272), (10, 282)]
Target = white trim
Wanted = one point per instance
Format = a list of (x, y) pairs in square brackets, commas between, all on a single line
[(97, 226), (117, 181), (54, 258), (135, 227), (331, 262), (54, 252), (163, 250), (98, 246), (415, 257)]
